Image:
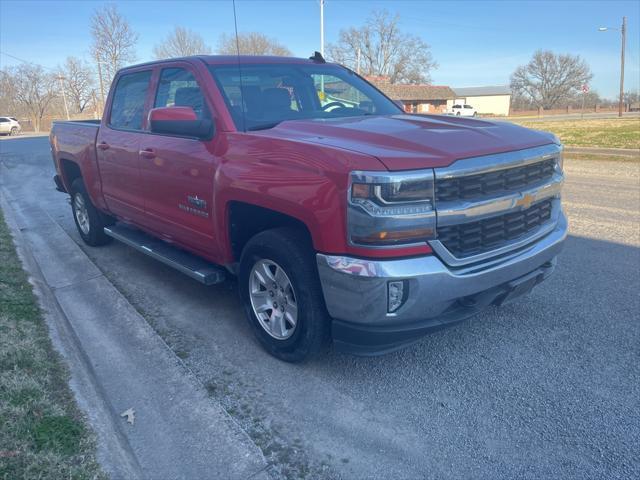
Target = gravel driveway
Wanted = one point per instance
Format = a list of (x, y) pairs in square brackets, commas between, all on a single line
[(546, 387)]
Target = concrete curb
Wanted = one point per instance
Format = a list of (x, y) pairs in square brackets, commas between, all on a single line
[(117, 361), (116, 456)]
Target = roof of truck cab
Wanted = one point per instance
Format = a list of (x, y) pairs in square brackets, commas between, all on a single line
[(227, 59)]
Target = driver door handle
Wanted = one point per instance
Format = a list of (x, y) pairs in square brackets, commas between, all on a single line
[(147, 153), (103, 145)]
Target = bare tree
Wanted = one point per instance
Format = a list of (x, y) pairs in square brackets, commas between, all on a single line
[(251, 43), (78, 78), (550, 80), (181, 42), (113, 41), (34, 90), (384, 50), (8, 102)]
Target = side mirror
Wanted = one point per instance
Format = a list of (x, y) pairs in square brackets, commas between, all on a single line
[(181, 121)]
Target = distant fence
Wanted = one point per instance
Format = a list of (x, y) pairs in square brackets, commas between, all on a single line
[(562, 111)]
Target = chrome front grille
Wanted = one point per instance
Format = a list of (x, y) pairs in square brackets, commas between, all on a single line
[(489, 206), (476, 237), (491, 183)]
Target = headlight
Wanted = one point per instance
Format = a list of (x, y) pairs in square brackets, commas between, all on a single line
[(387, 209)]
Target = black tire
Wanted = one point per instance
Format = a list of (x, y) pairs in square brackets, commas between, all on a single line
[(14, 131), (291, 249), (95, 235)]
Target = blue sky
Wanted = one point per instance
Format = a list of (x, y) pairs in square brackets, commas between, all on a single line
[(474, 42)]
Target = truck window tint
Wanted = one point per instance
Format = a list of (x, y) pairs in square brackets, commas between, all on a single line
[(178, 88), (267, 94), (127, 109)]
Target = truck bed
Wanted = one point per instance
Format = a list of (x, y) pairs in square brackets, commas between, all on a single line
[(80, 122), (75, 140)]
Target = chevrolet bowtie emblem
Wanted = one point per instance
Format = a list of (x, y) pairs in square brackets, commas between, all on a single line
[(525, 201)]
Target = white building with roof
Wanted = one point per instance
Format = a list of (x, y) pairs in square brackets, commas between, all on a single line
[(491, 100)]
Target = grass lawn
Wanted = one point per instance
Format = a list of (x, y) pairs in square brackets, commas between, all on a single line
[(601, 158), (42, 433), (603, 133)]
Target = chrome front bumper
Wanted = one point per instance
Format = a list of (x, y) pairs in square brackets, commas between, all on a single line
[(355, 290)]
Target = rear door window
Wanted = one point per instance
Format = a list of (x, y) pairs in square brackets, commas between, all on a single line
[(127, 110)]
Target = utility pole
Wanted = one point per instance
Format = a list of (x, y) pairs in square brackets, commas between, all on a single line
[(623, 33), (95, 104), (64, 96), (358, 62), (101, 86)]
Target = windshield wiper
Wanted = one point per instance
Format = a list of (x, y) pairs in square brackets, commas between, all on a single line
[(264, 126)]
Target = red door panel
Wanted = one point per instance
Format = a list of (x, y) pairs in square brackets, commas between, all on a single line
[(178, 172), (118, 144), (120, 172)]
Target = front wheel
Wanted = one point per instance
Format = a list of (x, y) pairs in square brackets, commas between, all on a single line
[(89, 220), (281, 294)]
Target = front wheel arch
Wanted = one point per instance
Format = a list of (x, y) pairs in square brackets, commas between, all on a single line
[(246, 220)]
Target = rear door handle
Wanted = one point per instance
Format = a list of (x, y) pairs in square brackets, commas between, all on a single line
[(147, 153), (103, 146)]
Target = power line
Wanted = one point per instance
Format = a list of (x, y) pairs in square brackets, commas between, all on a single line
[(26, 61)]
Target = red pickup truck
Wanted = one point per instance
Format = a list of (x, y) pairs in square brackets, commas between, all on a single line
[(342, 216)]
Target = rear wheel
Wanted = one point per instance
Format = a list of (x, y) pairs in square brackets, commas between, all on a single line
[(281, 294), (89, 221), (14, 131)]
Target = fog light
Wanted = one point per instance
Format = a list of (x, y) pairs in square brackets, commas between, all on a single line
[(395, 295)]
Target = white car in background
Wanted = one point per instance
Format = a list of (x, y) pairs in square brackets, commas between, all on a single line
[(463, 110), (9, 126)]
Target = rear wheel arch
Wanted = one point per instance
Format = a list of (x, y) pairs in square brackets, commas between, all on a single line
[(70, 172)]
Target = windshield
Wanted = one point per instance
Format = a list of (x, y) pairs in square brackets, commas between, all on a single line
[(268, 94)]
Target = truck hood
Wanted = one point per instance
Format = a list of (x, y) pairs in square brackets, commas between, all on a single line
[(406, 142)]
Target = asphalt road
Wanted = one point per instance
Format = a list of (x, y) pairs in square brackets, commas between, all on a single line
[(546, 387)]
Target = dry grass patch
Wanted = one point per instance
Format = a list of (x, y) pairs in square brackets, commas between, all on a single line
[(42, 433), (600, 133)]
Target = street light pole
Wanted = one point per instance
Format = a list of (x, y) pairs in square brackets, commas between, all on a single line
[(623, 38), (623, 33)]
